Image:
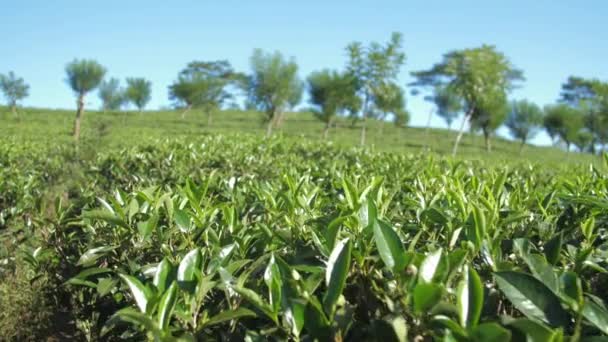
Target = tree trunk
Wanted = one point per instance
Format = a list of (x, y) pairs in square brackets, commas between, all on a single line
[(186, 111), (362, 139), (209, 119), (14, 109), (460, 133), (79, 113), (363, 124), (326, 130), (486, 137), (271, 123), (427, 131), (521, 146)]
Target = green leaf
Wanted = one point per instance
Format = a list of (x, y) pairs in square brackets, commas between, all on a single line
[(187, 269), (139, 291), (182, 220), (426, 295), (91, 255), (553, 247), (90, 272), (105, 285), (131, 316), (469, 296), (163, 275), (596, 315), (106, 216), (534, 331), (257, 301), (571, 287), (228, 315), (272, 278), (429, 266), (166, 306), (532, 297), (446, 323), (389, 246), (147, 227), (336, 272), (490, 332)]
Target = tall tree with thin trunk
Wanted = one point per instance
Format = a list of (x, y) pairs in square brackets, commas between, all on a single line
[(481, 77), (373, 67), (138, 92), (524, 121), (273, 86), (204, 85), (14, 88), (489, 115), (112, 96), (83, 75), (332, 93)]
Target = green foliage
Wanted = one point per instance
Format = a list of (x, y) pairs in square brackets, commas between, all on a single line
[(524, 120), (375, 68), (192, 238), (332, 93), (273, 86), (84, 75), (204, 85), (14, 88), (138, 92), (448, 104), (112, 95), (563, 122), (481, 77)]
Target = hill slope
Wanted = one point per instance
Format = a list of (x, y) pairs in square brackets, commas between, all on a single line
[(127, 127)]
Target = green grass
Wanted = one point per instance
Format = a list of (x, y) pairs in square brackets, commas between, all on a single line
[(125, 128)]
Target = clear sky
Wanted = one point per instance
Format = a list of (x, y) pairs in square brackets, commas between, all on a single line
[(549, 40)]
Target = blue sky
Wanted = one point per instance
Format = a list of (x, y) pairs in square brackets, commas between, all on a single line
[(549, 40)]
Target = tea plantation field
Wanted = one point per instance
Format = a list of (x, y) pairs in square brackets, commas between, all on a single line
[(158, 228)]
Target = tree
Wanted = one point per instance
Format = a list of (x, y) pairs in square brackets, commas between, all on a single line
[(524, 120), (448, 104), (139, 92), (14, 88), (204, 85), (563, 122), (332, 93), (111, 94), (481, 77), (373, 67), (273, 86), (590, 96), (583, 139), (390, 100), (83, 76)]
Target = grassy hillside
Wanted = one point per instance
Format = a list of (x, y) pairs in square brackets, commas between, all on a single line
[(118, 129)]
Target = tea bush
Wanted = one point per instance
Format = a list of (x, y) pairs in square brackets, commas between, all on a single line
[(231, 237)]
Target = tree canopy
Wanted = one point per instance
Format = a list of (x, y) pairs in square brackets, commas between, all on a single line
[(563, 122), (448, 104), (481, 77), (138, 92), (204, 85), (332, 93), (112, 96), (273, 86), (373, 67), (524, 120), (84, 75), (14, 89)]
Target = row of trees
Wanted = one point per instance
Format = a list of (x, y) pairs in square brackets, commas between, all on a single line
[(470, 83), (114, 97)]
